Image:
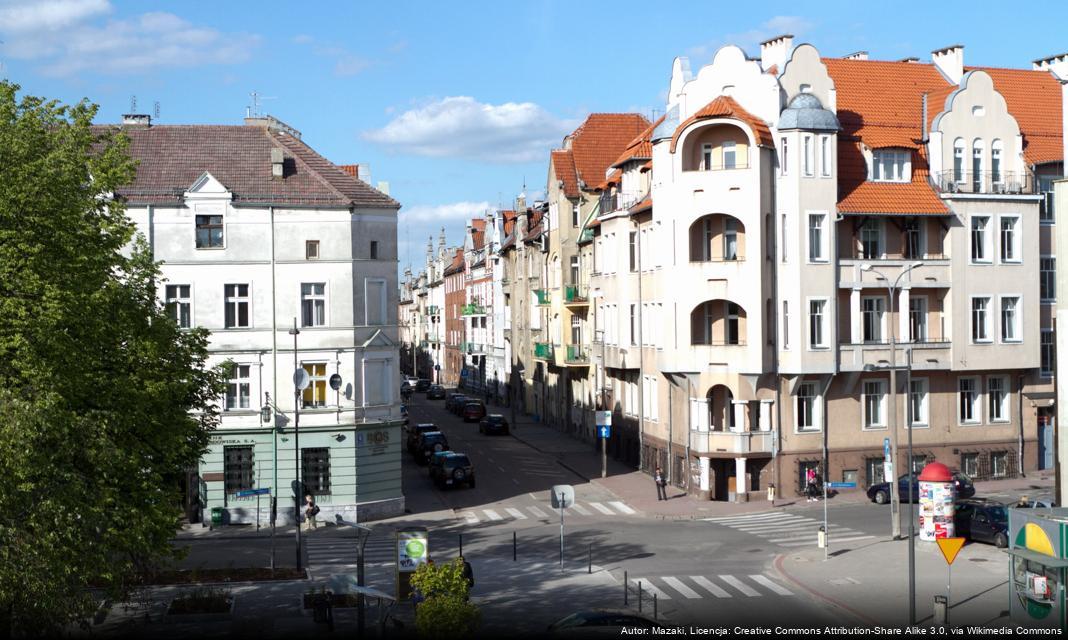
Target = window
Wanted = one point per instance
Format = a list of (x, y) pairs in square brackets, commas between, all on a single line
[(806, 144), (315, 394), (874, 404), (1047, 269), (374, 250), (733, 336), (875, 470), (816, 309), (575, 211), (237, 469), (313, 304), (1049, 352), (783, 159), (706, 157), (815, 237), (999, 464), (730, 239), (1010, 239), (891, 165), (633, 324), (574, 269), (315, 471), (1010, 319), (633, 250), (237, 306), (980, 239), (311, 250), (782, 237), (981, 320), (995, 162), (1046, 207), (872, 310), (977, 165), (918, 319), (969, 464), (825, 156), (968, 401), (179, 304), (918, 402), (958, 160), (871, 240), (376, 376), (576, 330), (237, 388), (785, 324), (649, 400), (807, 407), (914, 239), (209, 232), (730, 155), (375, 290), (997, 396)]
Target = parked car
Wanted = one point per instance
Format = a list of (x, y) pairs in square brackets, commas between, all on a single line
[(404, 414), (1025, 503), (474, 411), (430, 442), (983, 521), (880, 492), (601, 621), (493, 423), (416, 431), (435, 392), (449, 469), (452, 398), (422, 385), (458, 403)]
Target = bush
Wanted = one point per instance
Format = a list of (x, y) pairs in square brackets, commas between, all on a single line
[(445, 611)]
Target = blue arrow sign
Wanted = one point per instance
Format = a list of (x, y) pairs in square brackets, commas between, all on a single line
[(886, 448), (245, 493), (604, 431), (841, 485)]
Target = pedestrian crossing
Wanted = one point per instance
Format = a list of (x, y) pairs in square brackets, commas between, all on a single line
[(332, 549), (698, 587), (787, 529), (499, 514)]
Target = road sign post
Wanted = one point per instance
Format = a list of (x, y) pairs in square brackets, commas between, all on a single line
[(949, 547), (604, 431), (562, 496), (826, 525)]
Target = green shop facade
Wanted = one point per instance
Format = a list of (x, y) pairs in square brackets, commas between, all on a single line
[(1038, 567)]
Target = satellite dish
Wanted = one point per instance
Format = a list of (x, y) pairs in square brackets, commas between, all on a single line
[(301, 379), (335, 381)]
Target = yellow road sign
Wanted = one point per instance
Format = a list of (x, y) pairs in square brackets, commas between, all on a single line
[(950, 547)]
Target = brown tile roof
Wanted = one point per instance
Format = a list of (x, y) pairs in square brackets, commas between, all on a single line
[(457, 263), (727, 107), (563, 164), (1034, 99), (648, 166), (600, 139), (641, 147), (613, 178), (509, 221), (172, 157), (478, 233), (645, 205)]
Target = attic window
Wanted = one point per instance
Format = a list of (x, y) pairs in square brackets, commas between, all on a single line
[(806, 88), (978, 111), (728, 89), (311, 250), (891, 165)]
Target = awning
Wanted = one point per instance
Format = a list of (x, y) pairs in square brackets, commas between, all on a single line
[(1039, 558)]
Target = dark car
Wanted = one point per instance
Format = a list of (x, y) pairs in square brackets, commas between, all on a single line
[(982, 521), (608, 621), (416, 431), (449, 469), (473, 411), (458, 403), (435, 392), (430, 442), (880, 492), (404, 414), (493, 423), (422, 385), (452, 398)]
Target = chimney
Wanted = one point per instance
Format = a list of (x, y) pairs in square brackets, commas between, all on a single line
[(136, 120), (349, 169), (857, 55), (1057, 65), (363, 172), (383, 186), (277, 163), (775, 50), (923, 123), (909, 59), (521, 202), (950, 62)]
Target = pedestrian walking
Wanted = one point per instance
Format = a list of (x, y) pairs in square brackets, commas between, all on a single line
[(661, 484), (469, 576), (810, 484), (310, 511)]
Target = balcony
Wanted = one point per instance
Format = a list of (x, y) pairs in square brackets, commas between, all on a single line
[(731, 442), (543, 351), (699, 357), (544, 297), (433, 310), (619, 201), (575, 295), (932, 354), (577, 355), (934, 272), (473, 309), (984, 182)]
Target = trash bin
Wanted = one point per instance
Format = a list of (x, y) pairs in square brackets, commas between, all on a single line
[(216, 516)]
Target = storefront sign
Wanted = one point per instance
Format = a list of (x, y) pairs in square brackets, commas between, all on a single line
[(375, 440), (412, 550)]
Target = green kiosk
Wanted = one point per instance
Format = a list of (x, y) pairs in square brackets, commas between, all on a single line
[(1038, 559)]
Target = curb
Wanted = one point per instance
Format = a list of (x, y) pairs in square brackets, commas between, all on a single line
[(819, 596)]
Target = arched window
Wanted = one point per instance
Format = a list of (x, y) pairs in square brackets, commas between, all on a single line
[(958, 160), (977, 165), (995, 162)]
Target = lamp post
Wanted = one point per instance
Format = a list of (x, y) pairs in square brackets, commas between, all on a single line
[(599, 335), (296, 439), (895, 498), (265, 416)]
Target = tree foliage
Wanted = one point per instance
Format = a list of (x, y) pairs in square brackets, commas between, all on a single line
[(445, 611), (103, 400)]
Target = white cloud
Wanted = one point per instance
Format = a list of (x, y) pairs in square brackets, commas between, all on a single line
[(750, 40), (66, 38), (452, 212), (345, 62), (461, 126), (349, 65)]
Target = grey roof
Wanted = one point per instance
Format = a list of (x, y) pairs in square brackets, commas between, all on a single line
[(806, 112), (666, 129)]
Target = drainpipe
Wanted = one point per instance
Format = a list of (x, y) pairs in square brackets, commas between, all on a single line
[(274, 361), (641, 356), (1020, 443)]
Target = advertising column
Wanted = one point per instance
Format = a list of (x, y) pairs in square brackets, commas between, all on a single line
[(413, 549), (936, 502)]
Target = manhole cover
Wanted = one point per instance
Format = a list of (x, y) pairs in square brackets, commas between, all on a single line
[(978, 559)]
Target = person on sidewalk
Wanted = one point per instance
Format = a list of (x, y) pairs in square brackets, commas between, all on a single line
[(469, 576), (661, 485), (810, 484), (310, 511)]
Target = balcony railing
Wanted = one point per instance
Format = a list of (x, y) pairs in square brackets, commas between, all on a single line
[(986, 182), (731, 441), (433, 310), (577, 354), (544, 296), (620, 200), (472, 348), (473, 309), (719, 166), (575, 294), (543, 351)]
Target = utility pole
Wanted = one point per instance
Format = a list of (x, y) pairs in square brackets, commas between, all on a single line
[(296, 442)]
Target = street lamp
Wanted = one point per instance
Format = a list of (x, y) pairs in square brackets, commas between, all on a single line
[(362, 533), (297, 388), (266, 410)]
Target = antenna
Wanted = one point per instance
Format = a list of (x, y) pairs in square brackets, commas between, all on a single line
[(133, 103), (254, 110), (155, 110)]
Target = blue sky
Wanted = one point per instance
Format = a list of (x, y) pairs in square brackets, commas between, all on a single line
[(454, 104)]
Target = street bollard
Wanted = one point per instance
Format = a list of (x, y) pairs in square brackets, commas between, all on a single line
[(513, 546), (626, 588), (940, 610), (461, 536), (639, 596), (655, 607), (589, 559)]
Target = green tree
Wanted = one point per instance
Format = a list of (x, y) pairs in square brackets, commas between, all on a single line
[(445, 612), (104, 402)]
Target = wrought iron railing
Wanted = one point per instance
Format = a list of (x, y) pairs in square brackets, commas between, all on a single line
[(543, 350), (986, 182)]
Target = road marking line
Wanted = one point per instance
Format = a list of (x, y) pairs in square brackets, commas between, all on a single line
[(471, 518), (532, 496), (515, 481), (648, 586), (501, 469), (792, 542), (756, 521), (679, 586), (491, 514), (770, 525), (603, 509), (850, 539), (713, 588), (516, 513), (765, 582), (755, 516), (538, 513), (796, 544), (624, 508), (740, 586), (581, 509)]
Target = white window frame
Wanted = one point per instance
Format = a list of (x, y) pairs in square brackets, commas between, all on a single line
[(809, 157), (178, 301), (1006, 406), (977, 401), (922, 421), (785, 325), (367, 299), (926, 312), (387, 388), (730, 239), (1016, 244), (901, 165), (649, 401), (817, 406), (314, 297), (825, 156), (817, 254), (824, 309), (706, 156), (576, 217), (1046, 339), (1017, 319), (732, 146), (988, 245), (235, 378), (921, 237), (988, 324), (237, 299), (958, 160), (783, 237), (883, 386), (312, 378), (882, 319), (1053, 281), (784, 160), (880, 238)]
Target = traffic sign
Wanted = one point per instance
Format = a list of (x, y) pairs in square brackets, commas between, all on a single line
[(463, 373), (950, 547), (563, 496), (604, 431), (886, 449), (437, 367), (841, 485), (245, 493), (604, 418)]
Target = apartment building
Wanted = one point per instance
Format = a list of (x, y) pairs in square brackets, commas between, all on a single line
[(259, 238), (455, 299)]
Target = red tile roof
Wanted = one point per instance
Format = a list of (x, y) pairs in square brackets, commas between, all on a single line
[(613, 178), (1034, 99), (457, 263), (645, 205), (727, 107), (599, 140), (563, 163), (478, 233), (641, 147)]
